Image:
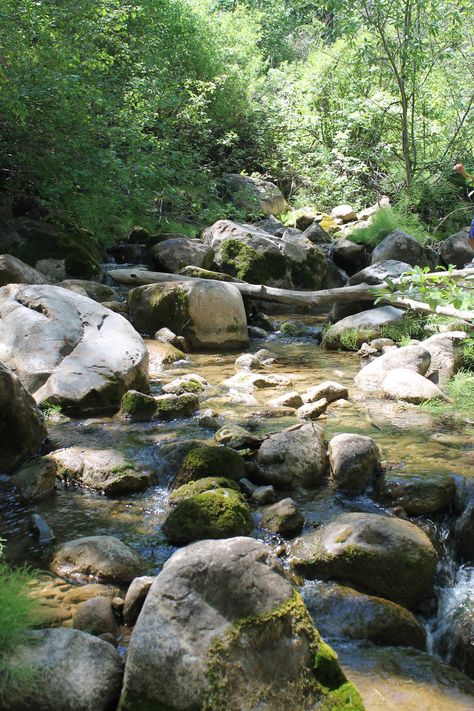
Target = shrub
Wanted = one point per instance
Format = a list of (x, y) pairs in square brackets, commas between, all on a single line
[(386, 220)]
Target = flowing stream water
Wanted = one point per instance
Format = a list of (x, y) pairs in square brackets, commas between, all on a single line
[(410, 440)]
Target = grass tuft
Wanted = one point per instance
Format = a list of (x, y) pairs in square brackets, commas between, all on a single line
[(386, 220)]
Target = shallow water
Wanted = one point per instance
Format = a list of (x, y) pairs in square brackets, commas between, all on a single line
[(411, 441)]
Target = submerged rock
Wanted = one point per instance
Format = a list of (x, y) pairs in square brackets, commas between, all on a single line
[(379, 554), (22, 427), (104, 558), (70, 670), (36, 479), (221, 627), (293, 458), (417, 494)]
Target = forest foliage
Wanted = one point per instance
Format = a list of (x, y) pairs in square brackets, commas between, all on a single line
[(114, 110)]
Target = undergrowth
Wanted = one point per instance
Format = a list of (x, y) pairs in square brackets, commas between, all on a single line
[(460, 391), (386, 220)]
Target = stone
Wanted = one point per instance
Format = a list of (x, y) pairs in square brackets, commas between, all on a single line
[(102, 469), (316, 234), (137, 407), (95, 616), (199, 486), (103, 558), (456, 250), (446, 354), (165, 335), (174, 407), (284, 518), (261, 320), (352, 331), (344, 212), (36, 479), (22, 427), (215, 513), (93, 289), (250, 254), (41, 529), (69, 350), (257, 333), (179, 252), (378, 272), (53, 269), (344, 613), (135, 598), (328, 389), (72, 670), (312, 410), (265, 356), (417, 494), (270, 224), (31, 240), (247, 381), (405, 384), (81, 593), (162, 355), (237, 437), (263, 495), (210, 419), (14, 271), (401, 247), (255, 194), (378, 554), (247, 361), (371, 377), (209, 315), (290, 399), (295, 329), (221, 627), (348, 255), (208, 461), (354, 462), (293, 458), (189, 383)]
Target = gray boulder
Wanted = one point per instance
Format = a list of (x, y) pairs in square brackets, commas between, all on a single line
[(93, 289), (135, 598), (456, 250), (371, 377), (72, 671), (22, 428), (104, 558), (348, 255), (446, 354), (354, 462), (293, 458), (284, 518), (221, 627), (398, 245), (255, 194), (36, 479), (95, 616), (14, 271), (179, 252), (68, 349), (209, 315), (328, 389), (379, 271), (354, 330), (378, 554), (405, 384), (417, 494)]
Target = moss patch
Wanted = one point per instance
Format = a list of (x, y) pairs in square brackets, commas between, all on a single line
[(208, 483), (137, 406), (211, 461), (244, 262), (170, 407), (219, 513), (158, 305)]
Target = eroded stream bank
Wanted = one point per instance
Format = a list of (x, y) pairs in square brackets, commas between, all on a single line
[(410, 441)]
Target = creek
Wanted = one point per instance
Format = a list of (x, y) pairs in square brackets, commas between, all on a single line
[(410, 440)]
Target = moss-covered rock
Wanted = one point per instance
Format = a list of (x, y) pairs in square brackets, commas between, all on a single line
[(200, 273), (218, 513), (208, 483), (284, 517), (137, 406), (172, 407), (211, 461), (244, 262)]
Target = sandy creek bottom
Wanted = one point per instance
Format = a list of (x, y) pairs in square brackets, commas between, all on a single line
[(388, 678)]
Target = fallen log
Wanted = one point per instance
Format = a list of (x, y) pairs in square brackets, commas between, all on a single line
[(306, 299)]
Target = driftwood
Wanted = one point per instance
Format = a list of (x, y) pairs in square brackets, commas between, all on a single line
[(306, 299)]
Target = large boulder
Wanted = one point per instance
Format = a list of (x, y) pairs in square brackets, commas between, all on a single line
[(379, 271), (405, 384), (221, 628), (371, 377), (68, 349), (255, 194), (352, 331), (293, 458), (14, 271), (348, 255), (211, 461), (33, 240), (103, 558), (380, 555), (93, 289), (417, 494), (344, 613), (22, 428), (251, 254), (69, 670), (354, 462), (456, 250), (209, 315), (398, 245), (174, 254)]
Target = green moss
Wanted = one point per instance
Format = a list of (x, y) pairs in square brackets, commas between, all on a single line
[(321, 686), (219, 513), (208, 483), (211, 461), (201, 273), (137, 406), (246, 263), (170, 407), (157, 305)]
